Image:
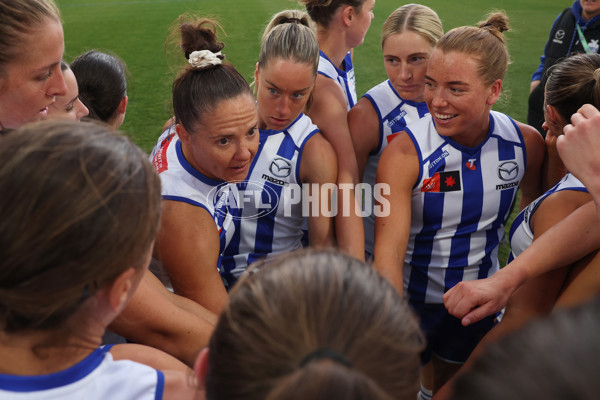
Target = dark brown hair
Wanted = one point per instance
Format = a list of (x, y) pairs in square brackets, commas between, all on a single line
[(197, 92), (321, 11), (574, 82), (79, 206), (102, 81)]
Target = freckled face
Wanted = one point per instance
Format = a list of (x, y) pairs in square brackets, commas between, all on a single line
[(284, 87), (30, 83), (222, 148), (458, 98)]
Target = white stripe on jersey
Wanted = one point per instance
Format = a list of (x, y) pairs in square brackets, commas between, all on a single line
[(345, 79), (182, 182), (275, 167), (459, 205), (521, 232), (394, 114), (96, 377)]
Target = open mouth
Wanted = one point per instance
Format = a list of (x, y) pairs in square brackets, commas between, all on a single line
[(43, 112), (445, 117)]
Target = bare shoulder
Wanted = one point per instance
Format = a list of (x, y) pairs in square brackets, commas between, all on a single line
[(182, 386), (531, 136)]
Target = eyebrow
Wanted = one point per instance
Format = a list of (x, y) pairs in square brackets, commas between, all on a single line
[(277, 87), (449, 83)]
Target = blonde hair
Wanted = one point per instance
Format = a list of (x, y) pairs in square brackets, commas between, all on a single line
[(314, 324), (290, 35), (484, 42), (414, 18), (20, 17)]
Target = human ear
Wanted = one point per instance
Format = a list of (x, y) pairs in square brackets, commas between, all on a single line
[(495, 90), (119, 291), (201, 366), (183, 134), (348, 14)]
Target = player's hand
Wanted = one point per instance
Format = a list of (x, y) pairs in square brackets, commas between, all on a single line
[(472, 301), (580, 145)]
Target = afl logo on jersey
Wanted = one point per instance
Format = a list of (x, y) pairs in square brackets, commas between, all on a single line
[(508, 171), (280, 167)]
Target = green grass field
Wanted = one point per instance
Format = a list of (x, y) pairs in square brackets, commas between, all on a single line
[(136, 31)]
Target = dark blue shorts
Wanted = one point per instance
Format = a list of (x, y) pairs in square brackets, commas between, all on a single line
[(446, 338)]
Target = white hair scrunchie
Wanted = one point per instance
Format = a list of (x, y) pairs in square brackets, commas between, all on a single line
[(204, 58)]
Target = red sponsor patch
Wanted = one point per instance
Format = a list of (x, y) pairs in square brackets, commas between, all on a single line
[(442, 182), (160, 158)]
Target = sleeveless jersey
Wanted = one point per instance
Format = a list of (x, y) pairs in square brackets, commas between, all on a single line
[(394, 113), (97, 377), (182, 182), (344, 78), (521, 231), (460, 203), (270, 221)]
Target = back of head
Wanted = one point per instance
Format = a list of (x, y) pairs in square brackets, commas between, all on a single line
[(485, 42), (414, 18), (206, 80), (289, 36), (80, 205), (314, 324), (102, 82), (554, 358), (573, 82), (18, 17), (321, 11)]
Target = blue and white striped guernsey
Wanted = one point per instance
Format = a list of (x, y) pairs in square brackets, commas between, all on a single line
[(96, 377), (394, 113), (182, 182), (344, 78), (521, 232), (273, 224), (460, 203)]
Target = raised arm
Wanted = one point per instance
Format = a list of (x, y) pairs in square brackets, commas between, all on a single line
[(188, 245), (392, 231), (319, 166), (329, 113)]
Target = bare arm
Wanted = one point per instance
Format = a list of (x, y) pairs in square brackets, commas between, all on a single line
[(531, 184), (152, 317), (392, 232), (319, 165), (563, 244), (364, 130), (329, 113), (188, 246)]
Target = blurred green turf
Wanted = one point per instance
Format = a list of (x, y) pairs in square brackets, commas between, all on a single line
[(136, 31)]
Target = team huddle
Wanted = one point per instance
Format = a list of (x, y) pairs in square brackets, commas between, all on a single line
[(289, 239)]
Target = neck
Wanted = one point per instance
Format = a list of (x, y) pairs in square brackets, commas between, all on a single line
[(40, 353), (332, 43)]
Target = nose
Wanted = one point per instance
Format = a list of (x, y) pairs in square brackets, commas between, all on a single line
[(82, 109), (405, 72), (283, 106), (437, 97), (56, 83), (242, 152)]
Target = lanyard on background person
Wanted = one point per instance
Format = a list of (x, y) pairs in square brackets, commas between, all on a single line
[(584, 42)]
